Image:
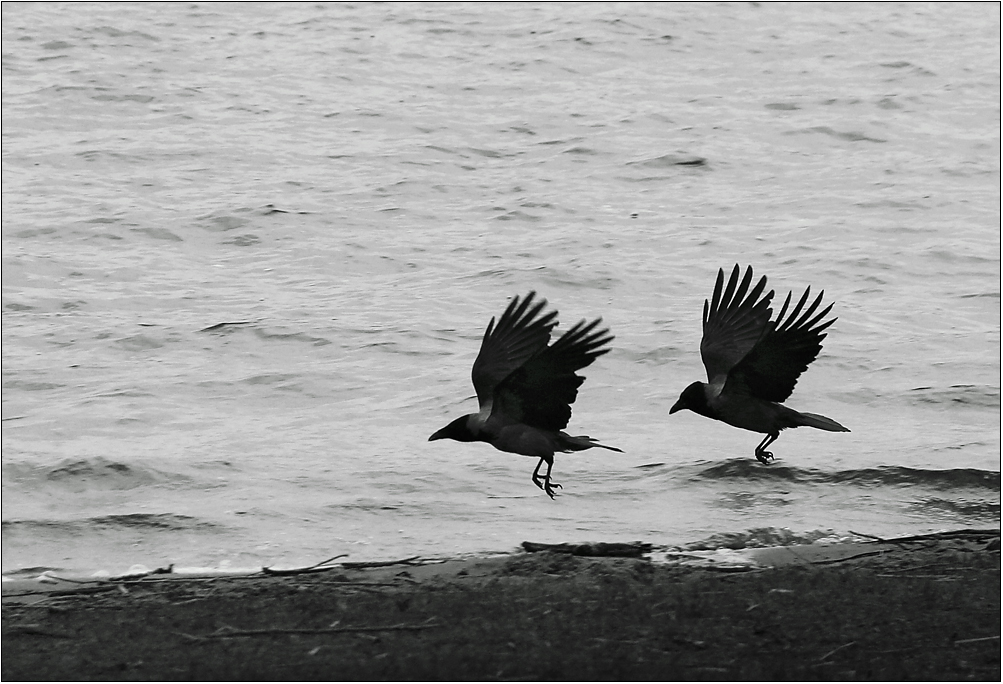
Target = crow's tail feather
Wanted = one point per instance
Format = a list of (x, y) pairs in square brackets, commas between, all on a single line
[(582, 442), (821, 422)]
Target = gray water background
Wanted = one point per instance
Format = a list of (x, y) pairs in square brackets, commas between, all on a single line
[(361, 187)]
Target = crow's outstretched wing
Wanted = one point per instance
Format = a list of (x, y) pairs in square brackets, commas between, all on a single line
[(506, 346), (772, 368), (541, 392), (733, 321)]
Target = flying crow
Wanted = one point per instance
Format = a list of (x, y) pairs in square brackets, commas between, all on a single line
[(753, 363), (525, 388)]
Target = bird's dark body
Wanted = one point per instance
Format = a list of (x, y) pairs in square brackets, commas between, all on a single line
[(513, 437), (742, 411), (753, 362), (525, 386)]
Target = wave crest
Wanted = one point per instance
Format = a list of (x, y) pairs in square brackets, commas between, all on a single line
[(881, 476)]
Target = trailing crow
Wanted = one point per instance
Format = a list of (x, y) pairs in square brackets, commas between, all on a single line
[(525, 388), (753, 363)]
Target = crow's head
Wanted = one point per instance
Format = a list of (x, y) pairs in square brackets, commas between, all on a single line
[(459, 430), (693, 398)]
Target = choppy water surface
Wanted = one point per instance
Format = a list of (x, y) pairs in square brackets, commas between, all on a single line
[(249, 251)]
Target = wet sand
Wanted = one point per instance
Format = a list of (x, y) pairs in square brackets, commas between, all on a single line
[(919, 608)]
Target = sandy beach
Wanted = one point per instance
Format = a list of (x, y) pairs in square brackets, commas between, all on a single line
[(914, 608)]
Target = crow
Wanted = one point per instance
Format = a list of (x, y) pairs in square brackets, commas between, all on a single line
[(525, 388), (753, 363)]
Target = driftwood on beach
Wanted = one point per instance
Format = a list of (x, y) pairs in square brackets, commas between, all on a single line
[(597, 549)]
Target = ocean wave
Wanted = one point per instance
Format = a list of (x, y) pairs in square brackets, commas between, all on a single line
[(954, 396), (670, 160), (882, 476), (86, 474), (763, 537), (977, 510), (971, 395), (269, 334), (30, 573), (168, 522)]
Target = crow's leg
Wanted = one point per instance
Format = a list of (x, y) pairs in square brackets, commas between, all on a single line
[(536, 474), (762, 454), (544, 483)]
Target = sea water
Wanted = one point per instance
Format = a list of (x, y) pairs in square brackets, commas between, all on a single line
[(249, 251)]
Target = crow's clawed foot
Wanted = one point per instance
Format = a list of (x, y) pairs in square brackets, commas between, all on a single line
[(545, 484), (764, 456)]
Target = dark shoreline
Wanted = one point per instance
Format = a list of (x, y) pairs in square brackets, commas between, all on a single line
[(923, 608)]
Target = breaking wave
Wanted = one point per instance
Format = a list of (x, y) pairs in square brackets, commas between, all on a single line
[(764, 537), (975, 510)]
